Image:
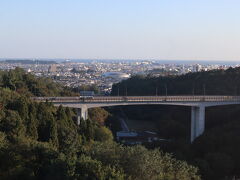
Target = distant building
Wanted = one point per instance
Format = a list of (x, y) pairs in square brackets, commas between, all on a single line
[(197, 68), (86, 93), (116, 75), (52, 68), (136, 137)]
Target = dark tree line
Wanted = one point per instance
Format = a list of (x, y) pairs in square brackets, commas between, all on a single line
[(215, 82)]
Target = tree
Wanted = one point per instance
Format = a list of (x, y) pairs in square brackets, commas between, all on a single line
[(21, 106), (12, 124), (32, 126), (69, 140), (47, 129), (89, 169), (3, 140), (98, 115), (102, 134), (29, 159), (62, 117), (89, 133), (139, 163), (7, 82), (53, 134)]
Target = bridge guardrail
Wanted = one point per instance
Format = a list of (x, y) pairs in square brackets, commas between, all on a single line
[(108, 99)]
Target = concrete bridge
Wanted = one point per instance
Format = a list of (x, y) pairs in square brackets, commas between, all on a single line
[(197, 104)]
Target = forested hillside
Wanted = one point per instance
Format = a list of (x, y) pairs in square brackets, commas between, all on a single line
[(216, 152), (215, 82), (27, 84), (40, 141)]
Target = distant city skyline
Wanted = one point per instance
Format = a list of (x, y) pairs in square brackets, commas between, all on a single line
[(137, 29)]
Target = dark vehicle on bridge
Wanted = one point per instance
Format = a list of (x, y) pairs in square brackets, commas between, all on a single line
[(85, 98)]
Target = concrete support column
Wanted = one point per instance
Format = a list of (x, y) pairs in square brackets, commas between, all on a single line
[(79, 115), (197, 121), (82, 113)]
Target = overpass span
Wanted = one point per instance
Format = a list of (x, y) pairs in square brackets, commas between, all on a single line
[(197, 104)]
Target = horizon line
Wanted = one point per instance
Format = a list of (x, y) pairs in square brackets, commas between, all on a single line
[(119, 59)]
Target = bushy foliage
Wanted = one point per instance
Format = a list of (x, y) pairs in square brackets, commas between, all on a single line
[(98, 115), (139, 163)]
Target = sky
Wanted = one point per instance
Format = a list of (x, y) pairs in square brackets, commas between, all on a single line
[(120, 29)]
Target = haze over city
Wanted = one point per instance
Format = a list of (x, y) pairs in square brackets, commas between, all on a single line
[(136, 29)]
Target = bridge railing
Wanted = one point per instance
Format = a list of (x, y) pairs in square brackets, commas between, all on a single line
[(108, 99)]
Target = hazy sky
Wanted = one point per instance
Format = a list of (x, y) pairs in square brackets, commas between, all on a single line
[(120, 29)]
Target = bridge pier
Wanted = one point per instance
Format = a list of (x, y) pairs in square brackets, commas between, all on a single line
[(197, 121), (82, 113)]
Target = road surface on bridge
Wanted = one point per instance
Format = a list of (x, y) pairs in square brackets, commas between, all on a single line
[(106, 99)]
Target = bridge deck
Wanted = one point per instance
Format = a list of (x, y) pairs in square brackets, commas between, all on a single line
[(117, 99)]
